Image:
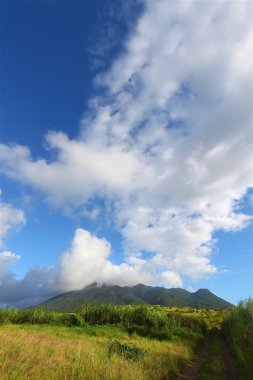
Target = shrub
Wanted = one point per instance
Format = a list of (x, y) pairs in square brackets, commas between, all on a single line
[(195, 323), (188, 333), (153, 332), (127, 351)]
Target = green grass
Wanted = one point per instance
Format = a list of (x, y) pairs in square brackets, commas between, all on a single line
[(101, 342), (154, 322), (57, 352)]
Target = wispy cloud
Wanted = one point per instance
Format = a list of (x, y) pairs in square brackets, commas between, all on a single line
[(115, 20), (10, 218)]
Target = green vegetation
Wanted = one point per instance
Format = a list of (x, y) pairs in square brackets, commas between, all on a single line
[(102, 341), (38, 316), (139, 294), (238, 331), (43, 352), (153, 322), (99, 342), (127, 351), (127, 316)]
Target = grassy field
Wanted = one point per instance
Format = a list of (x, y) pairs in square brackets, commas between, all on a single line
[(55, 352), (101, 342)]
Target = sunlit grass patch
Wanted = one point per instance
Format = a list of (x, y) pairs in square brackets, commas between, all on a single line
[(152, 342), (51, 352)]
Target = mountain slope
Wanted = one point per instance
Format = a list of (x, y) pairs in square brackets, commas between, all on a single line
[(138, 294)]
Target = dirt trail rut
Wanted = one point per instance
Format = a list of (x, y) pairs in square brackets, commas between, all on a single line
[(191, 371), (229, 372)]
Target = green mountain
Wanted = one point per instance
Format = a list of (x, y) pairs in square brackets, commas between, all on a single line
[(138, 294)]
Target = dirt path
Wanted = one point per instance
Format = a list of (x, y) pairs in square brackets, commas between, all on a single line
[(191, 371), (229, 372)]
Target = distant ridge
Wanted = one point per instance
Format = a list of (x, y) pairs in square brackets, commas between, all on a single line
[(138, 294)]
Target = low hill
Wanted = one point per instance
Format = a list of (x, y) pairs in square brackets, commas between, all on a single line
[(138, 294)]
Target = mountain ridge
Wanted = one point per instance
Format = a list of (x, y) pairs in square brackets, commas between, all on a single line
[(138, 294)]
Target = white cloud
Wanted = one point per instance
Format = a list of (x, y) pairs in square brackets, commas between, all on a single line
[(88, 261), (172, 279), (170, 144), (10, 218), (79, 172)]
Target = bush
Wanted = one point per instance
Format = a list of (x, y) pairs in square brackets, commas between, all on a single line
[(197, 324), (188, 333), (127, 351), (152, 333)]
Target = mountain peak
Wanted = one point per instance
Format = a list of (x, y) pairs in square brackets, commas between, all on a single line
[(203, 291), (138, 294)]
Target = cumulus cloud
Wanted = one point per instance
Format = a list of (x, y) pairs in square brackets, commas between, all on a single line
[(169, 142), (86, 262), (172, 279), (79, 172)]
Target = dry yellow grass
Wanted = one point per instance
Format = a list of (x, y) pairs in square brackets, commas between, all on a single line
[(57, 353)]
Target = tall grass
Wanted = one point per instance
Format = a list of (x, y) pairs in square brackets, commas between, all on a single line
[(98, 342), (57, 352), (238, 330), (146, 321), (38, 316), (92, 314), (142, 320), (127, 316)]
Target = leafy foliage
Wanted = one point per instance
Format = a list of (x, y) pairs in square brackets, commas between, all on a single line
[(127, 351)]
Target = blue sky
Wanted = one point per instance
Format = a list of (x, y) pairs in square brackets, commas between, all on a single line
[(126, 146)]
